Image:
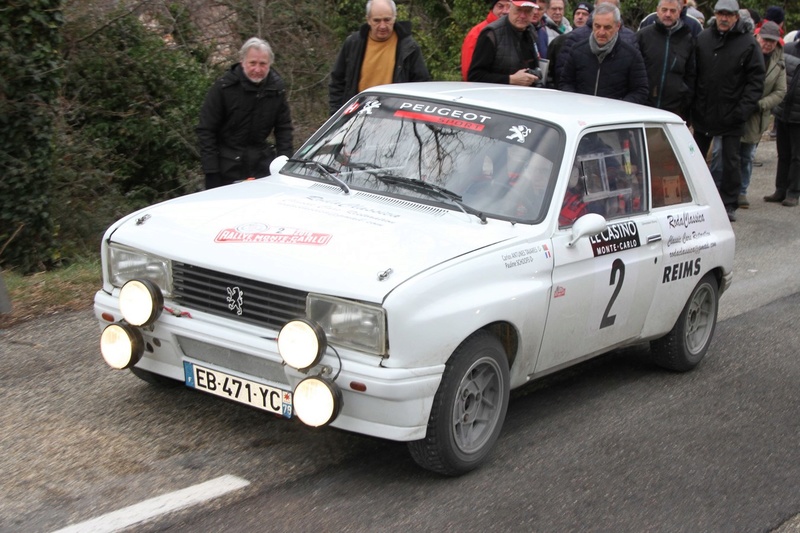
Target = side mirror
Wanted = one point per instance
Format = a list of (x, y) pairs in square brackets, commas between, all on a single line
[(277, 164), (588, 225)]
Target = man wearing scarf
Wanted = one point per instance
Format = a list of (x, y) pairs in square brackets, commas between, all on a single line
[(605, 65), (667, 47)]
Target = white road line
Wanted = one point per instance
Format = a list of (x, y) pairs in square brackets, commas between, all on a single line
[(148, 509)]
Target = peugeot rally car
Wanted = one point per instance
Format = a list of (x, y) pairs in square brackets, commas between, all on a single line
[(430, 248)]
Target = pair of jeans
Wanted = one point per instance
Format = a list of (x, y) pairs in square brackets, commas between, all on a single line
[(747, 154)]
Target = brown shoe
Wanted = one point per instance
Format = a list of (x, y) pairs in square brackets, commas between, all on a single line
[(743, 203), (774, 197), (789, 202)]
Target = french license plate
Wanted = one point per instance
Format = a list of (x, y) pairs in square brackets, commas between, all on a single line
[(238, 389)]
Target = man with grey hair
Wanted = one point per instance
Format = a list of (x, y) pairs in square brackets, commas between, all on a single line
[(240, 111), (730, 82), (381, 52), (604, 64), (667, 47)]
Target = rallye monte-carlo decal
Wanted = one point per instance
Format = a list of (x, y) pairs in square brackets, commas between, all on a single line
[(265, 234)]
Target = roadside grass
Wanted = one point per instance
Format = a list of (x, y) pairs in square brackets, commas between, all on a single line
[(68, 288)]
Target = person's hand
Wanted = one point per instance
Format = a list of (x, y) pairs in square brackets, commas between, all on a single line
[(521, 77)]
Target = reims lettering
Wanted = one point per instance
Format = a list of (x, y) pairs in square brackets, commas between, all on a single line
[(681, 270)]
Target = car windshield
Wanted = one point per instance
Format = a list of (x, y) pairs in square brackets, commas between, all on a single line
[(472, 159)]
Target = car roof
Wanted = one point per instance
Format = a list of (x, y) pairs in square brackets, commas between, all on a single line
[(572, 111)]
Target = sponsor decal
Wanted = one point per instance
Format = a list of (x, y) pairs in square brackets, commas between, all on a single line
[(685, 220), (352, 107), (673, 240), (696, 249), (264, 234), (446, 116), (369, 106), (682, 270), (523, 257), (518, 133), (616, 238)]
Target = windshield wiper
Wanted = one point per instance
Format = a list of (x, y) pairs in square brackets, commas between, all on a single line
[(324, 170), (431, 189)]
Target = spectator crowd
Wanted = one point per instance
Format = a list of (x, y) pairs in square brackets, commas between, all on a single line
[(729, 77)]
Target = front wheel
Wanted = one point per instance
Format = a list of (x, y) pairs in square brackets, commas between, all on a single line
[(468, 409), (684, 347)]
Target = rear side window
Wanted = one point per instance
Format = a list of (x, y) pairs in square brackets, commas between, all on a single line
[(668, 180)]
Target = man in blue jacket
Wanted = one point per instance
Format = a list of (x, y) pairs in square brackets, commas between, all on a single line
[(604, 64)]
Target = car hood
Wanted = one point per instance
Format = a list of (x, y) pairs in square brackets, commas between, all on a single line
[(309, 236)]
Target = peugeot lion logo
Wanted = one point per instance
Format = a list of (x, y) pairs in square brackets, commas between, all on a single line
[(235, 301)]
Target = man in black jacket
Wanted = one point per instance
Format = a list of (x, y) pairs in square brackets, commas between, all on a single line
[(506, 51), (381, 52), (240, 111), (604, 64), (667, 47), (730, 80)]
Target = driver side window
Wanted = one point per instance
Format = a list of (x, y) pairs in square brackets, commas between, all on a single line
[(606, 176)]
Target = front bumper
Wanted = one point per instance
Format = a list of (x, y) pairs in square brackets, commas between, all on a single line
[(392, 403)]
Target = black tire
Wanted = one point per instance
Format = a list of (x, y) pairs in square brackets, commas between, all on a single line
[(684, 347), (468, 409), (155, 379)]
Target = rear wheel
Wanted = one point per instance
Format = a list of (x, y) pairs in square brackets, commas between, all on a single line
[(468, 409), (685, 346)]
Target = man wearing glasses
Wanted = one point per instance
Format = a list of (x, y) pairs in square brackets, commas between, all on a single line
[(381, 52), (730, 81)]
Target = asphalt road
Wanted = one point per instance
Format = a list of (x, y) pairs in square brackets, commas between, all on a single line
[(611, 445)]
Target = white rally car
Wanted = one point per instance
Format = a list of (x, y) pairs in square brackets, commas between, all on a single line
[(430, 248)]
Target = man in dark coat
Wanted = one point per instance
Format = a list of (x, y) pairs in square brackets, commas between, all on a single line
[(667, 47), (787, 124), (381, 52), (730, 80), (695, 26), (582, 33), (240, 111), (605, 65), (506, 50)]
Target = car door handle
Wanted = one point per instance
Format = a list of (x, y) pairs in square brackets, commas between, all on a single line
[(653, 238)]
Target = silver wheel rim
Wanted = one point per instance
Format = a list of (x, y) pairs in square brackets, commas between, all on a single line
[(700, 319), (477, 405)]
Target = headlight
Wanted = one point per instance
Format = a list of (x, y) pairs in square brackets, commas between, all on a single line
[(125, 264), (317, 401), (140, 302), (301, 344), (351, 324), (121, 345)]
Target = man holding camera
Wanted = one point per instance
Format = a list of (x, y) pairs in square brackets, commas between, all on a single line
[(604, 64), (506, 50)]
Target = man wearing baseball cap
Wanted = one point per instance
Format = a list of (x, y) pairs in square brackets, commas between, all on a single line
[(730, 81), (506, 50)]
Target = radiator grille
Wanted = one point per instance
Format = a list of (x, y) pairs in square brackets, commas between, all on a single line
[(236, 297)]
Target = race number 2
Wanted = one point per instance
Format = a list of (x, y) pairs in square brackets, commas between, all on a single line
[(616, 279)]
